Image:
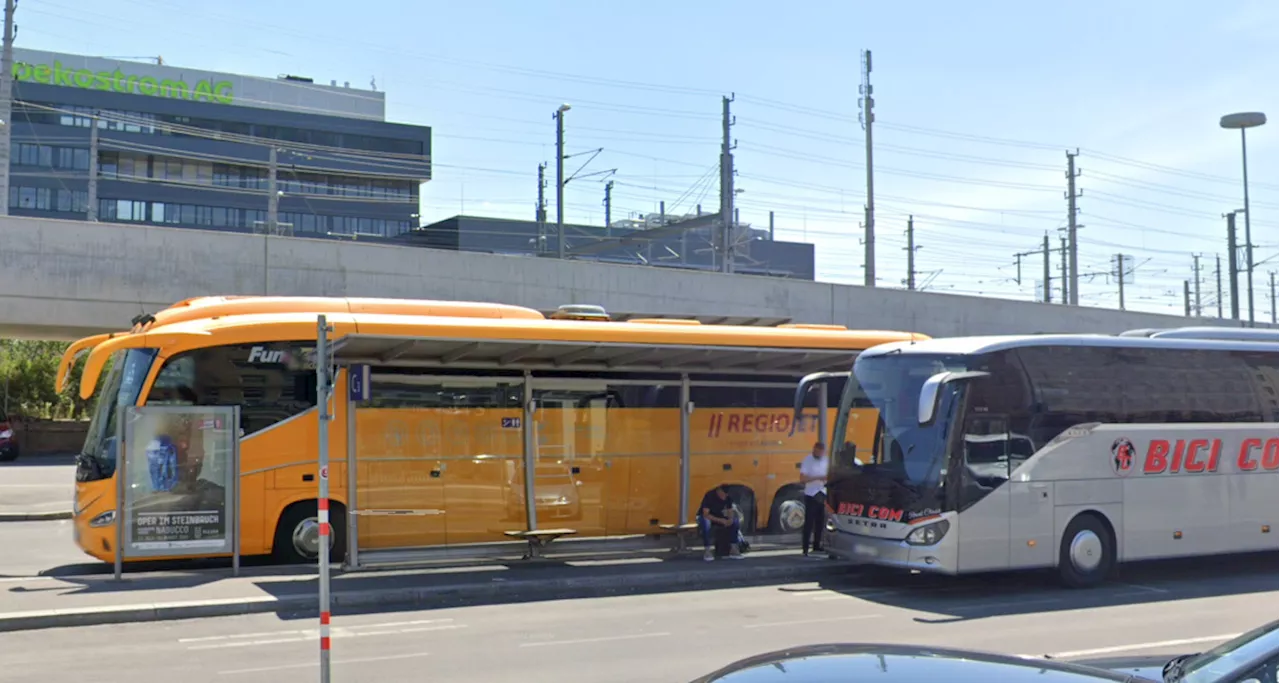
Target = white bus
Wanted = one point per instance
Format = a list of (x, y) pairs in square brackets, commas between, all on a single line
[(1067, 451)]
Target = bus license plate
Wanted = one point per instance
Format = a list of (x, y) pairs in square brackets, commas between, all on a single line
[(865, 550)]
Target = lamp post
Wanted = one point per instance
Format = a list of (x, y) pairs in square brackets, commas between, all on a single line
[(559, 117), (1244, 121)]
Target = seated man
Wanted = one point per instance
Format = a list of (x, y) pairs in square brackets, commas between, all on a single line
[(716, 514)]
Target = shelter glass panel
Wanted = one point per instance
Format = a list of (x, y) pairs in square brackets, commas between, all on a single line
[(607, 455), (746, 437), (439, 461)]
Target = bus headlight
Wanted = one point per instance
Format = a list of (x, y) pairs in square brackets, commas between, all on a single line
[(929, 534), (105, 519)]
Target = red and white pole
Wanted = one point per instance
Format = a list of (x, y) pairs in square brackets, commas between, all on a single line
[(324, 392)]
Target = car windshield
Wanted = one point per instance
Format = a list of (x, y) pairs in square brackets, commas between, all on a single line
[(892, 383), (121, 387), (1213, 665)]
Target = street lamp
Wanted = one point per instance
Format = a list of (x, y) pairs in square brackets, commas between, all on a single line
[(1244, 121), (559, 117)]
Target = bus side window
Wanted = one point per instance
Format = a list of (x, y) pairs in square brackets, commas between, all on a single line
[(986, 456), (268, 381)]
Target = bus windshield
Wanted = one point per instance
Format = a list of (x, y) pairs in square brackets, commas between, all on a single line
[(903, 451), (121, 387)]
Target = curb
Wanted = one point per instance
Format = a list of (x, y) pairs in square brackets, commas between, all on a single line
[(423, 597), (34, 516)]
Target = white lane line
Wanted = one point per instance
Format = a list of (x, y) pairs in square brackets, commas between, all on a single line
[(347, 629), (602, 639), (37, 486), (286, 667), (260, 639), (1151, 589), (943, 609), (851, 617), (849, 596), (1137, 646)]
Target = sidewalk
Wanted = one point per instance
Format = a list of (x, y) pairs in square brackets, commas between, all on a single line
[(51, 602)]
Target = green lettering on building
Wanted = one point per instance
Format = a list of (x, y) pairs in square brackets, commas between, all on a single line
[(205, 90)]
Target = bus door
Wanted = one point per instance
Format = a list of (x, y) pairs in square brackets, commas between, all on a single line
[(983, 498), (577, 483)]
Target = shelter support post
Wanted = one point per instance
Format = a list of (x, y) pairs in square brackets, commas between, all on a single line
[(530, 454), (353, 500), (686, 412), (823, 434)]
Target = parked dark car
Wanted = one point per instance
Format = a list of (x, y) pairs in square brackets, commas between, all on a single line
[(1251, 657), (905, 663), (8, 439)]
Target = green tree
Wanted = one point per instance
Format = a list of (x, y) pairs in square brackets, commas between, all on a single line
[(28, 370)]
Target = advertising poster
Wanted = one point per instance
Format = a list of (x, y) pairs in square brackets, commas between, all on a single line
[(179, 485)]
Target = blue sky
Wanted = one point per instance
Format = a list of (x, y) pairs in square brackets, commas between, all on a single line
[(976, 104)]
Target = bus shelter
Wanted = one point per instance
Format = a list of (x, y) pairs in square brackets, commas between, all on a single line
[(454, 442)]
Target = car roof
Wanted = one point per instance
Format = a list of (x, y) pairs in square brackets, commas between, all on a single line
[(892, 663)]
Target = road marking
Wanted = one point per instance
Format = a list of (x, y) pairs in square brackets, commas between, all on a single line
[(286, 667), (1137, 646), (943, 609), (1151, 589), (38, 486), (602, 639), (280, 637), (852, 617)]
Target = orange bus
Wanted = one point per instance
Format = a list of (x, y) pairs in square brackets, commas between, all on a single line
[(439, 448)]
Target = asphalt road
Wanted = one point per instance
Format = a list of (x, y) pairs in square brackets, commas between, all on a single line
[(37, 484), (1166, 609)]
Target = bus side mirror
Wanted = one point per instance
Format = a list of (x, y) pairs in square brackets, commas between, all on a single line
[(928, 404), (932, 389), (807, 383)]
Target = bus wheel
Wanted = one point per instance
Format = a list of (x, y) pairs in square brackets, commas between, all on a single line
[(1088, 552), (297, 538), (787, 516)]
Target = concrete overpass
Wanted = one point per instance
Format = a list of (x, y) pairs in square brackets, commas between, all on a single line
[(69, 279)]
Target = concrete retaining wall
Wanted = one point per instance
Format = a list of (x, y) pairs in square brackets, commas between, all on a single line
[(66, 279)]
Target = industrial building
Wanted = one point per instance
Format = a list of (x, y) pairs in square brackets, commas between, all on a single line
[(651, 240)]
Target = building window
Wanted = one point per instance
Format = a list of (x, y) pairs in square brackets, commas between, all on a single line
[(73, 201)]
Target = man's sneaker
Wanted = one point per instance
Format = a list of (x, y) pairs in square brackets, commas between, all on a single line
[(735, 553), (709, 555)]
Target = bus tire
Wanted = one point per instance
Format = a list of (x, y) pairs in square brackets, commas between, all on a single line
[(1088, 552), (298, 533), (786, 516)]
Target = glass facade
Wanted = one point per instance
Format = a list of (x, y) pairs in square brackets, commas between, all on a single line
[(336, 176)]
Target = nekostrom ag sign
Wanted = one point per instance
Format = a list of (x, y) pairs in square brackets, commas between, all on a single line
[(205, 90)]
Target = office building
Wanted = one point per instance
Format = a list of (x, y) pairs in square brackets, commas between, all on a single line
[(208, 150)]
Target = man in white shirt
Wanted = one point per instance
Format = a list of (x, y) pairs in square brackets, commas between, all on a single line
[(813, 474)]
